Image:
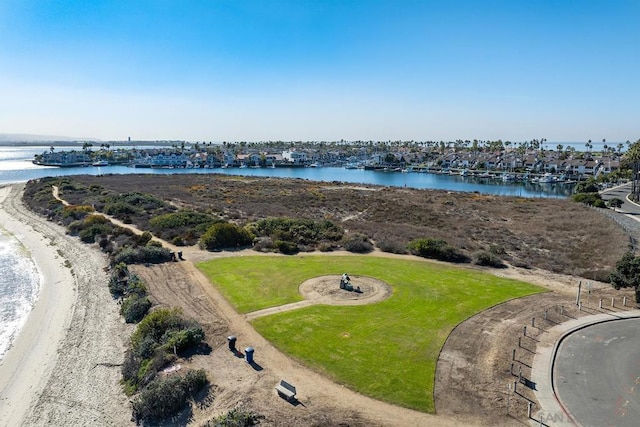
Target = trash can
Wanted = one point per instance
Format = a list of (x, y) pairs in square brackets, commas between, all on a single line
[(232, 342), (248, 354)]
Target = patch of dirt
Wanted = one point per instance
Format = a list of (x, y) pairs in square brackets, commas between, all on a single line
[(326, 290)]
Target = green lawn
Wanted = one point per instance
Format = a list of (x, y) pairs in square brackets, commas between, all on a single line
[(386, 350)]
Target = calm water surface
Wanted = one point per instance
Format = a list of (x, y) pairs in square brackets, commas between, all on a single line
[(16, 166)]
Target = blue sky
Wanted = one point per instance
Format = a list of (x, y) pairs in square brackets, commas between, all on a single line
[(232, 70)]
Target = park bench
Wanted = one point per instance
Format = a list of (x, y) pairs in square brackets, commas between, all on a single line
[(286, 390)]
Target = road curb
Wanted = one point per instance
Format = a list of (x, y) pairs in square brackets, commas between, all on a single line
[(582, 323)]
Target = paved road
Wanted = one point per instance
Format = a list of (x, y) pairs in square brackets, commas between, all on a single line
[(597, 374), (621, 193)]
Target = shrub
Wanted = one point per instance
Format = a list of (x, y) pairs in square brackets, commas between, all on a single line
[(591, 199), (155, 325), (487, 259), (435, 249), (121, 283), (237, 417), (287, 248), (119, 209), (588, 186), (358, 244), (134, 308), (392, 246), (225, 235), (188, 226), (88, 235), (177, 241), (264, 244), (297, 230), (326, 247), (143, 239), (166, 397), (182, 339), (142, 255), (76, 212)]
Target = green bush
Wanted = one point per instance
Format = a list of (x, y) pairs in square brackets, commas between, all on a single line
[(121, 283), (164, 398), (225, 235), (287, 248), (153, 343), (237, 417), (297, 230), (358, 244), (435, 249), (591, 199), (392, 247), (487, 259), (155, 325), (143, 239), (588, 186), (88, 235), (182, 339), (76, 212), (134, 308), (119, 209), (188, 225), (142, 255)]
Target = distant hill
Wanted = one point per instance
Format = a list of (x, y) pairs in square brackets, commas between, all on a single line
[(8, 138)]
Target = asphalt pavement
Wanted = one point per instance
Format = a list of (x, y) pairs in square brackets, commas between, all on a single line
[(586, 371)]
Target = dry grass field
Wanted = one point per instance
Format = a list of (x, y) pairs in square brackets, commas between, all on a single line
[(551, 234)]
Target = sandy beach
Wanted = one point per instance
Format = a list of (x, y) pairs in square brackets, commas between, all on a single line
[(63, 368)]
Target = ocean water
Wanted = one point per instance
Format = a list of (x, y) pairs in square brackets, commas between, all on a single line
[(19, 284)]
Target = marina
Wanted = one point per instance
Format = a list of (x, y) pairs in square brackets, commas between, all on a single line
[(16, 165)]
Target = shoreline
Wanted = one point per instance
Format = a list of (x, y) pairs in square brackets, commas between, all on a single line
[(34, 349), (46, 375)]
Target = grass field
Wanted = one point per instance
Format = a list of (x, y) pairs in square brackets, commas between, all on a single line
[(386, 350)]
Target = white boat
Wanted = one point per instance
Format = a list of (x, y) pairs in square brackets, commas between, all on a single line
[(101, 163), (547, 178)]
